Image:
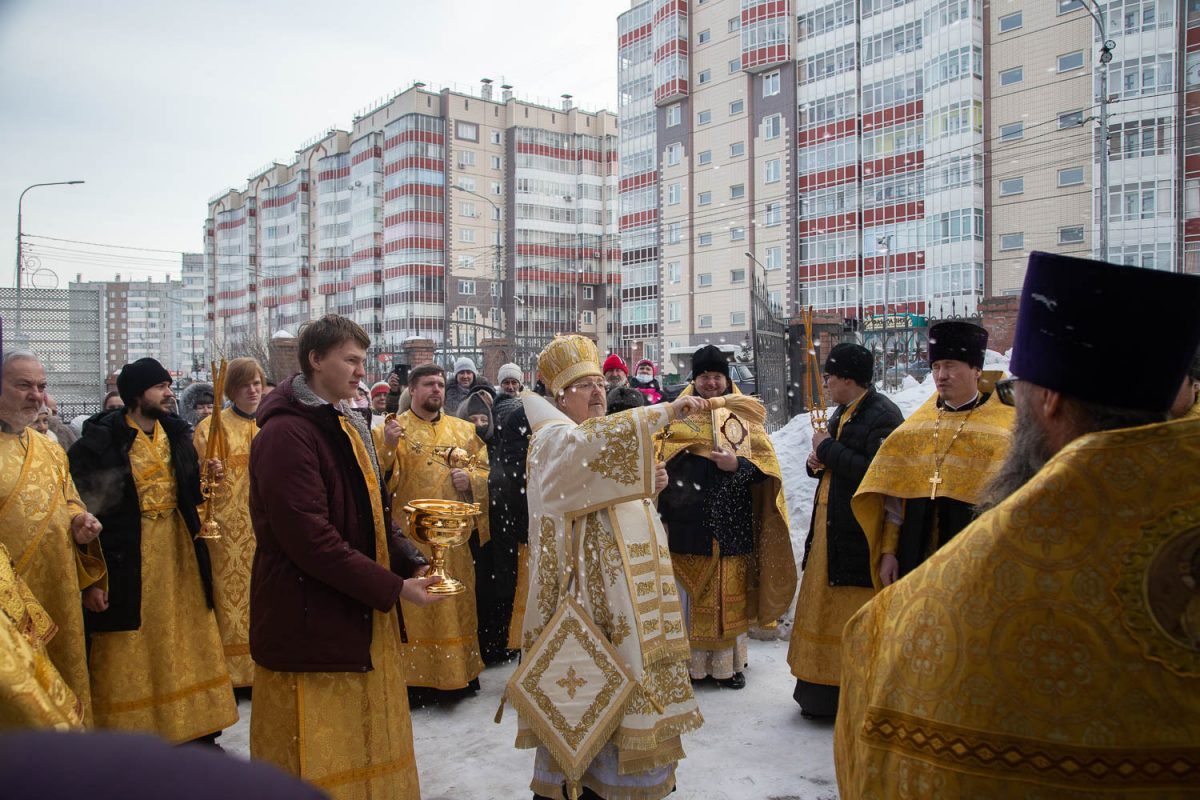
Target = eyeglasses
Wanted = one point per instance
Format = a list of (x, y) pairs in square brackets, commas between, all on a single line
[(1006, 391), (588, 386)]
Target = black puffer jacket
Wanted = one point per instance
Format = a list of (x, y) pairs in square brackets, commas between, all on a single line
[(100, 468), (846, 457)]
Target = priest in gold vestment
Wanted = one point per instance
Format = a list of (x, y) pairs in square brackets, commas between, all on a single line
[(43, 523), (727, 527), (926, 478), (591, 484), (330, 704), (441, 648), (233, 553), (32, 693), (155, 658), (1044, 652)]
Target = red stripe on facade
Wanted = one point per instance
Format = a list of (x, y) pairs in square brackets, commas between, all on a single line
[(762, 56), (639, 218), (331, 265), (635, 35), (406, 270), (559, 152), (281, 280), (375, 276), (550, 276), (670, 48), (275, 202), (435, 217), (830, 177), (827, 132), (839, 222), (670, 90), (413, 136), (638, 181), (668, 8), (224, 226), (414, 243), (768, 10), (905, 162), (902, 212), (366, 254), (893, 115), (415, 189), (414, 162), (371, 152), (333, 174)]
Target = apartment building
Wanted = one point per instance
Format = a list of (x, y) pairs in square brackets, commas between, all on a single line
[(1045, 148), (193, 330), (145, 319), (440, 214)]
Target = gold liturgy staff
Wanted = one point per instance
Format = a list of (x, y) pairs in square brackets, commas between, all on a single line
[(926, 478), (32, 693), (43, 523), (233, 552), (442, 647), (1050, 649), (155, 657), (727, 525)]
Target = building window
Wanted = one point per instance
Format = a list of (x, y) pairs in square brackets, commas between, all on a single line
[(466, 235), (673, 312), (1012, 241), (1070, 119), (1010, 76), (706, 320), (466, 184), (771, 84), (589, 292), (704, 198), (773, 126), (705, 157), (587, 317), (1012, 186), (704, 280), (674, 115), (466, 287), (774, 259), (737, 276), (703, 117), (737, 107), (735, 65), (704, 77), (1072, 234), (737, 191), (495, 162), (1069, 5), (704, 36), (734, 24), (497, 189), (674, 154), (495, 137), (673, 194), (737, 234), (1070, 61), (674, 232), (1012, 131), (704, 240), (467, 130), (674, 274), (737, 149), (1010, 22), (737, 317), (772, 171), (774, 214), (467, 209), (466, 158), (1071, 176)]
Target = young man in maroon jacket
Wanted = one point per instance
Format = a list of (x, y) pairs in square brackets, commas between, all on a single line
[(330, 702)]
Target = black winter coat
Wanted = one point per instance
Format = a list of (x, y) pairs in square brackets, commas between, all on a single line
[(100, 468), (846, 458), (703, 503)]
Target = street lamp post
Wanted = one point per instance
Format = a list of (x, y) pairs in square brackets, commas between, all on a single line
[(1106, 55), (20, 265), (885, 244)]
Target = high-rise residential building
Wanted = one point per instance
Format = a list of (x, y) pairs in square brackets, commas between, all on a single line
[(144, 319), (444, 215), (1044, 159), (193, 331)]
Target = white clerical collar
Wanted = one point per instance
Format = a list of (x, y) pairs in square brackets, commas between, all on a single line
[(961, 406)]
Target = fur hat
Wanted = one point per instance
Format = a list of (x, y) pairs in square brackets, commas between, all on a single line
[(853, 361), (958, 341), (709, 359), (139, 376), (624, 398)]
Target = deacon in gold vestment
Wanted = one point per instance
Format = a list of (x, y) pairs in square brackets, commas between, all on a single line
[(42, 520), (155, 659), (32, 693), (924, 482), (1044, 653), (330, 704), (441, 650), (727, 526), (233, 553), (591, 481)]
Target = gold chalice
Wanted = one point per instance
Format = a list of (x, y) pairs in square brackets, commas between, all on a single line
[(441, 524)]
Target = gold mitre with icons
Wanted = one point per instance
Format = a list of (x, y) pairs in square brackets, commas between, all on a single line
[(566, 360)]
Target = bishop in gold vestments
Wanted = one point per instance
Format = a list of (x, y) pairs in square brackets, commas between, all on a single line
[(233, 553), (441, 650), (32, 693), (1045, 651), (38, 502)]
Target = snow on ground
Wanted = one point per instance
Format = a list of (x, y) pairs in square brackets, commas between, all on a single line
[(754, 744)]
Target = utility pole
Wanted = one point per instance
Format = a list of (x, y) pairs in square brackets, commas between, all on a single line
[(885, 244), (1106, 55), (20, 264)]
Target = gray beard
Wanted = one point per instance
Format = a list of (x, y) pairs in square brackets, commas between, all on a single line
[(1029, 452)]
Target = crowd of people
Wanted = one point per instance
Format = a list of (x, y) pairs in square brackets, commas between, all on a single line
[(998, 595)]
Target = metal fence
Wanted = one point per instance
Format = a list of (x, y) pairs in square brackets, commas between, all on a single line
[(65, 327)]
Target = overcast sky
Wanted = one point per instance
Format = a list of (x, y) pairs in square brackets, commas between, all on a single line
[(159, 105)]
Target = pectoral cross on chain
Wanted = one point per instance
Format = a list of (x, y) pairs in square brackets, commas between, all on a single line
[(934, 482)]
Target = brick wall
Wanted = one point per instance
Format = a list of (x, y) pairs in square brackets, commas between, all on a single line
[(1000, 319)]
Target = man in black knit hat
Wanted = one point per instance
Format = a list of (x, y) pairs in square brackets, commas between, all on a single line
[(837, 563)]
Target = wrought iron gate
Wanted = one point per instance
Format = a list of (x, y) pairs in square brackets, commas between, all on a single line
[(770, 355)]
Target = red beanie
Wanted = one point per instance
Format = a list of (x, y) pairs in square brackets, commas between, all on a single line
[(614, 362)]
